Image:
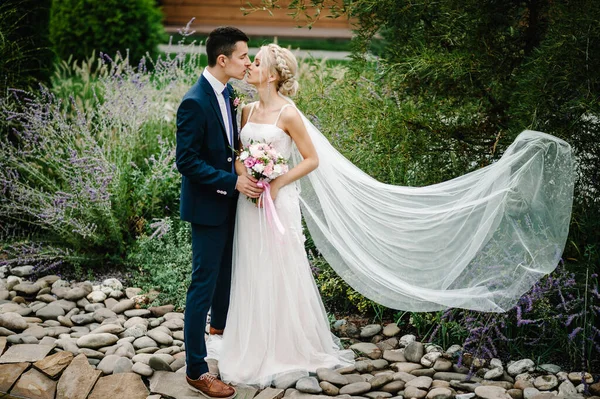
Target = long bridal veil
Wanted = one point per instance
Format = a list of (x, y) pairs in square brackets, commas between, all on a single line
[(478, 241)]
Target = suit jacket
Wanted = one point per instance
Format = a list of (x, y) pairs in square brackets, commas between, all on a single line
[(204, 157)]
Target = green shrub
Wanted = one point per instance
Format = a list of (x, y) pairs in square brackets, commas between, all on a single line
[(79, 27), (25, 55), (163, 259)]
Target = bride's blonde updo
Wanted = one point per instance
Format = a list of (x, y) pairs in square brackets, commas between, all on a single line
[(283, 62)]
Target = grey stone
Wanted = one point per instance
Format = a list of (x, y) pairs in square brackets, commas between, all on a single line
[(159, 311), (94, 341), (26, 289), (158, 364), (309, 385), (144, 342), (109, 328), (370, 330), (550, 368), (420, 382), (439, 393), (449, 376), (107, 364), (75, 294), (137, 313), (442, 365), (368, 349), (13, 321), (356, 388), (406, 339), (328, 388), (142, 369), (91, 353), (414, 351), (177, 364), (173, 324), (103, 314), (414, 392), (380, 380), (21, 339), (394, 355), (393, 387), (378, 394), (566, 388), (288, 380), (22, 271), (332, 376), (405, 367), (160, 337), (520, 367), (133, 321), (82, 318), (491, 392), (123, 305), (391, 330), (364, 366), (50, 312)]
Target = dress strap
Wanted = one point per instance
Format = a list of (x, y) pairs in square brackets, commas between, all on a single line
[(280, 111), (251, 111)]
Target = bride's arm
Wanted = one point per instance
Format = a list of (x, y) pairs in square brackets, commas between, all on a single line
[(292, 123)]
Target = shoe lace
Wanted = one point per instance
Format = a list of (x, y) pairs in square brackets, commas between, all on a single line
[(208, 378)]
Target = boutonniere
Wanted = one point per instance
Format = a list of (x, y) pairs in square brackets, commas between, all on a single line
[(236, 102)]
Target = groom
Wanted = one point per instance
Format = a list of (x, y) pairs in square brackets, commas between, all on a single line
[(206, 136)]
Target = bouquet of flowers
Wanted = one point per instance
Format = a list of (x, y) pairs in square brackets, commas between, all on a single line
[(263, 162)]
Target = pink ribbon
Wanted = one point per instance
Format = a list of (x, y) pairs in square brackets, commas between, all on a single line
[(265, 197)]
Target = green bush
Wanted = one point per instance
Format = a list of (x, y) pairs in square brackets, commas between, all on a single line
[(25, 54), (79, 27), (163, 261)]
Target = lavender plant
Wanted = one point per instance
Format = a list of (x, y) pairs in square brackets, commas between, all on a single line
[(555, 321), (80, 176)]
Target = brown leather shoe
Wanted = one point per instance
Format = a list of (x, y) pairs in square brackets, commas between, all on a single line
[(211, 387), (214, 331)]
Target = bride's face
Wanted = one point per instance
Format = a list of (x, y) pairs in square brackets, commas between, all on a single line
[(258, 74)]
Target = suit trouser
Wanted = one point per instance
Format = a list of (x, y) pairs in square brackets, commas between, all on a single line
[(209, 289)]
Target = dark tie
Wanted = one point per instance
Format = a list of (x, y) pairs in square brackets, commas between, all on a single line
[(229, 121)]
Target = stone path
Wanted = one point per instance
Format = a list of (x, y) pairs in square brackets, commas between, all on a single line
[(70, 340)]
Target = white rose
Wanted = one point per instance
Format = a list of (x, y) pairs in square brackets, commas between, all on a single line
[(259, 167), (244, 155), (277, 169)]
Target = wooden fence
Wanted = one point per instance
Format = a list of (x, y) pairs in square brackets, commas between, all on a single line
[(212, 13)]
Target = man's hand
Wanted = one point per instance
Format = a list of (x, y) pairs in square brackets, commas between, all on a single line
[(247, 185)]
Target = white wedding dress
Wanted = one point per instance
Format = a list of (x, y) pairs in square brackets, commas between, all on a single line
[(276, 322)]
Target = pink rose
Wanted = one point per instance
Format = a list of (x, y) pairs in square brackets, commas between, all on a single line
[(249, 162), (268, 169), (236, 102)]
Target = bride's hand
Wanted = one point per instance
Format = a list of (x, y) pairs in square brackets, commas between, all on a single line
[(274, 189)]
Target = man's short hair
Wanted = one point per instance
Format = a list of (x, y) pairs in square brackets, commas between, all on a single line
[(222, 40)]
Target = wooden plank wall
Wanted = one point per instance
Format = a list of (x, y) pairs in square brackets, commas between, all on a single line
[(227, 12)]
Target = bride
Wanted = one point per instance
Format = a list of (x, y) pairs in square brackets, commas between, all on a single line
[(276, 322), (478, 241)]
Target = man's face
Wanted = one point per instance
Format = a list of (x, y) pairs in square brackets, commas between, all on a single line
[(238, 63)]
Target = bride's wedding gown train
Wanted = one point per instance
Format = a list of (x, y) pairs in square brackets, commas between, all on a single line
[(276, 322)]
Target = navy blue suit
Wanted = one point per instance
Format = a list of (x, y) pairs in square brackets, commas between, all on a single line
[(205, 159)]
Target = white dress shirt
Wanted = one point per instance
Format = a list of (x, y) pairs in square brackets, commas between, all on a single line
[(218, 88)]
